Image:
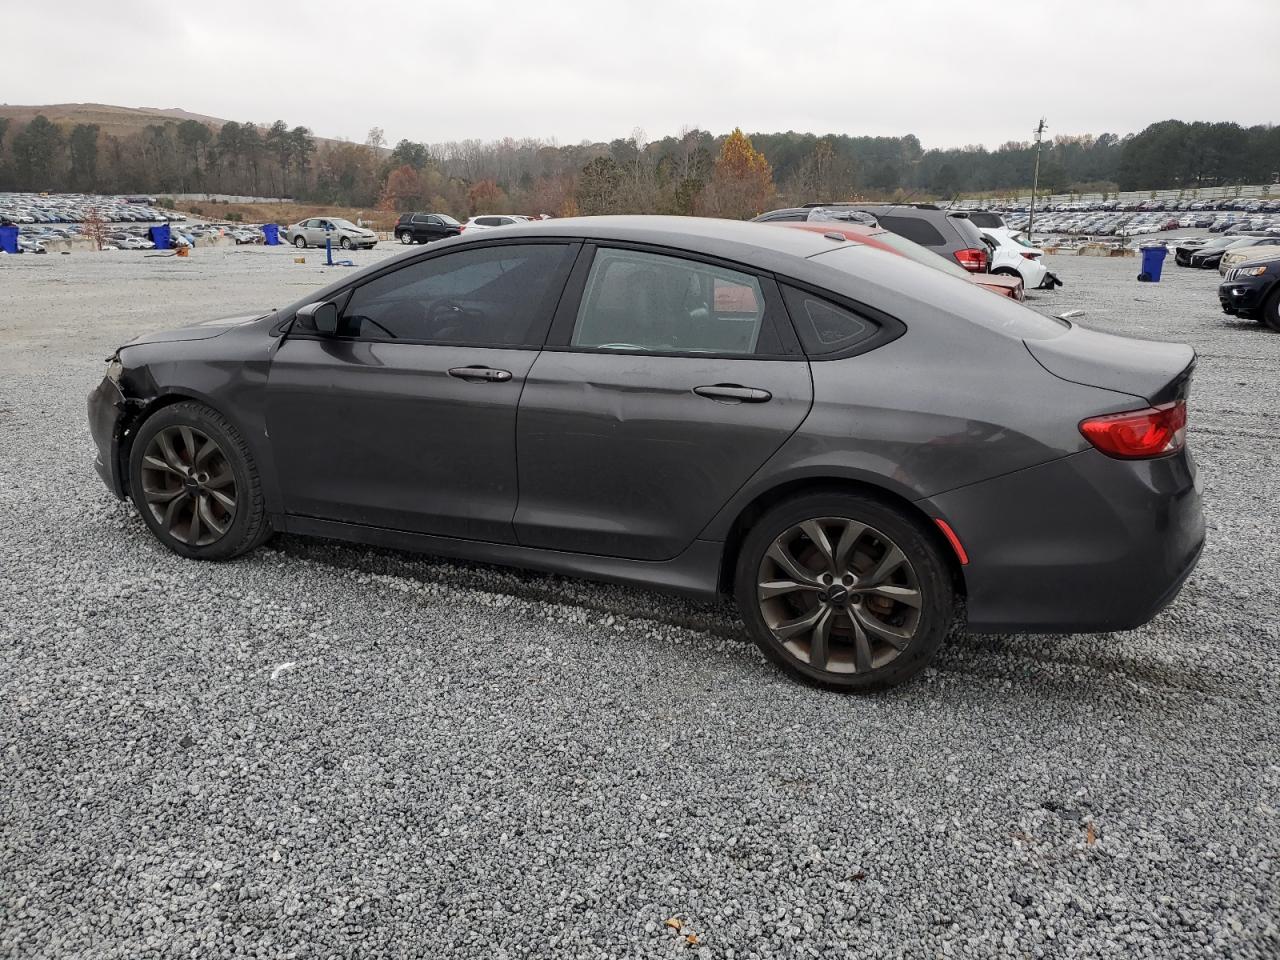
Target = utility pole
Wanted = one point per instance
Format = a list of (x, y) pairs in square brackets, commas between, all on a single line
[(1035, 182)]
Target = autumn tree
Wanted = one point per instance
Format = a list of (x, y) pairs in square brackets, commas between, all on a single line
[(598, 186), (403, 190), (486, 195), (95, 228), (742, 181)]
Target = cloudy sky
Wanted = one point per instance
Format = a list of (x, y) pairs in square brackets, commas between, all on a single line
[(951, 72)]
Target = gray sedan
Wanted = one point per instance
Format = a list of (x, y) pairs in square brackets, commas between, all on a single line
[(853, 446), (341, 233)]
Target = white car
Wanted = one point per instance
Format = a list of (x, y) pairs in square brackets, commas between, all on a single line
[(490, 220), (1013, 256)]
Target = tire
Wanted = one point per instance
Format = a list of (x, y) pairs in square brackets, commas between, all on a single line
[(900, 638), (345, 243), (406, 238), (1006, 272), (1270, 314), (300, 242), (170, 495)]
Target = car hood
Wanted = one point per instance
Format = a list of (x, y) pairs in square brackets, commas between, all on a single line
[(200, 331)]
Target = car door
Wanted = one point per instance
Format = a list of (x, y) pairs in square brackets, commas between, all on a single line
[(423, 227), (406, 419), (667, 381)]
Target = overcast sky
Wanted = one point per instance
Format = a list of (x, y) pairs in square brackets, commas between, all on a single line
[(951, 72)]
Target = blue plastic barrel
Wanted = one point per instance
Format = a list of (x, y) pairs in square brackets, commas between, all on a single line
[(9, 239), (1152, 263), (159, 236), (271, 234)]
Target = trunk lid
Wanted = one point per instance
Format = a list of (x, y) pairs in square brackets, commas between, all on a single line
[(1155, 371)]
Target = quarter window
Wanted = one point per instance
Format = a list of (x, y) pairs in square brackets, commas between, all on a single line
[(823, 326), (644, 301), (489, 296)]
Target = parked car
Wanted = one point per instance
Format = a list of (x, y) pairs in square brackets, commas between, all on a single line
[(1183, 249), (341, 233), (882, 239), (949, 234), (703, 405), (489, 221), (425, 227), (1252, 289), (1209, 256), (1012, 255), (1244, 249)]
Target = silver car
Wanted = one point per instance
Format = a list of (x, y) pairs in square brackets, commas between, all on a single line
[(342, 233)]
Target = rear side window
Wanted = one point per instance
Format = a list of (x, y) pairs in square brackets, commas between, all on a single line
[(823, 326), (986, 221), (638, 301), (913, 228)]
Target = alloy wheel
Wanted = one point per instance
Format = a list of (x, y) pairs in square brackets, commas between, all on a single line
[(839, 595), (406, 238), (189, 486)]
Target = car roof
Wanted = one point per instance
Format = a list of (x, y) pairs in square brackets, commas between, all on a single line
[(759, 245)]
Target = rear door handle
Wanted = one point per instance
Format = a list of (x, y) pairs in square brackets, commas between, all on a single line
[(477, 373), (733, 393)]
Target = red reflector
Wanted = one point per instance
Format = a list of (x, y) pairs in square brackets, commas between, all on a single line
[(972, 259), (1139, 434), (952, 539)]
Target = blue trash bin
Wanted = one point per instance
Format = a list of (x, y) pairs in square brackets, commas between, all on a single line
[(159, 236), (1152, 263), (9, 239), (271, 234)]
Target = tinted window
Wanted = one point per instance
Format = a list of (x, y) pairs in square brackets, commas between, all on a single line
[(823, 326), (449, 220), (987, 221), (488, 221), (645, 301), (421, 218), (496, 296), (913, 229), (434, 221)]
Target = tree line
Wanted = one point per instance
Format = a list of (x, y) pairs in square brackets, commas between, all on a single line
[(694, 172)]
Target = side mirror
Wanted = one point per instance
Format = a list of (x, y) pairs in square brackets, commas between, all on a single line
[(321, 317)]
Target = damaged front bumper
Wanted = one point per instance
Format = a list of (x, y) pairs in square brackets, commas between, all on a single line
[(109, 411)]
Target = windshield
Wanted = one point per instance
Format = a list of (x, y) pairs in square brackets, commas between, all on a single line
[(344, 224), (913, 251)]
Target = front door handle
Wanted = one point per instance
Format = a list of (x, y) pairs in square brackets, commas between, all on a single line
[(477, 373), (733, 393)]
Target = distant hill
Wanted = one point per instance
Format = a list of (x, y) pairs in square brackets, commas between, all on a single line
[(119, 121)]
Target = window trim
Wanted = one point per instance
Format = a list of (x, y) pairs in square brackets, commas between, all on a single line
[(890, 328), (342, 297), (559, 338)]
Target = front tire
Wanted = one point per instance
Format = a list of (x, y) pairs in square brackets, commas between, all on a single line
[(195, 484), (1270, 314), (843, 591), (300, 242), (345, 243)]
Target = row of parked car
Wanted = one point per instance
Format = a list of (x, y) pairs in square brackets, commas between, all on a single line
[(1132, 225), (36, 239), (43, 208), (1242, 204)]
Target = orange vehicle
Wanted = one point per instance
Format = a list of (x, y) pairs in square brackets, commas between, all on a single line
[(881, 239)]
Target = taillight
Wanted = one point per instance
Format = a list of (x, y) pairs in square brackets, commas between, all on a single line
[(972, 259), (1031, 256), (1139, 434)]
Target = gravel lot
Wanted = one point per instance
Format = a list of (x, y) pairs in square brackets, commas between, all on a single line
[(323, 750)]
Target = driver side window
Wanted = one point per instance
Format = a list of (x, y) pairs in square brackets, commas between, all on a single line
[(498, 296)]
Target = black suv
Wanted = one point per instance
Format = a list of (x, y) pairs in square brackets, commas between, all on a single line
[(948, 233), (425, 227), (1252, 289)]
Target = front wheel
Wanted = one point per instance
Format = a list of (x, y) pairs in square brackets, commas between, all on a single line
[(843, 591), (345, 243), (194, 482), (1270, 314), (300, 242)]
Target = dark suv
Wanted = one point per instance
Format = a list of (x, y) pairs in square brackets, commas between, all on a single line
[(1252, 289), (948, 233), (425, 227)]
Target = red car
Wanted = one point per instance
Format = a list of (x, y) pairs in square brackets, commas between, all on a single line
[(882, 239)]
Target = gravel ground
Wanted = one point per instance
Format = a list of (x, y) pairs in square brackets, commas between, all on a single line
[(323, 750)]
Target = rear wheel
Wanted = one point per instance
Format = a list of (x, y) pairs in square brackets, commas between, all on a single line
[(195, 484), (843, 591), (300, 242), (1006, 272), (406, 238)]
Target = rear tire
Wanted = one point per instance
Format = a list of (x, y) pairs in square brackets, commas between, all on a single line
[(1006, 272), (195, 484), (406, 238), (865, 610)]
